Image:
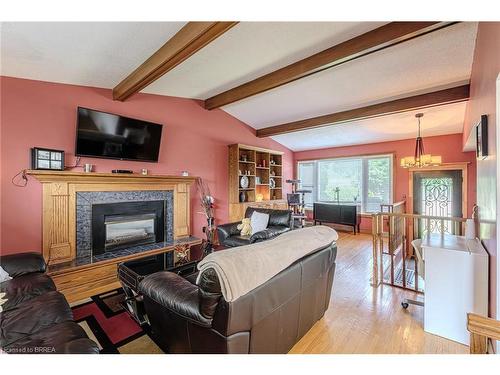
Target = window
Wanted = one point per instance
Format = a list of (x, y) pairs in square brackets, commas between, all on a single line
[(366, 180)]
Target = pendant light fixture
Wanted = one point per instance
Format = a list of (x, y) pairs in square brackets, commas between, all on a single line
[(420, 159)]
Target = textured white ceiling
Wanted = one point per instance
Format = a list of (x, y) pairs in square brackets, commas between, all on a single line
[(252, 49), (436, 59), (102, 54), (96, 54), (446, 119)]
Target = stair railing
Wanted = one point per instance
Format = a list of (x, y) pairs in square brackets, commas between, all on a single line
[(393, 255)]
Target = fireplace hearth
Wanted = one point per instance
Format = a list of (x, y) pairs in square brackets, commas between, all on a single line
[(111, 224)]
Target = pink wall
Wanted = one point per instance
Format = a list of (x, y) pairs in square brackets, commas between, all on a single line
[(485, 70), (449, 146), (43, 114)]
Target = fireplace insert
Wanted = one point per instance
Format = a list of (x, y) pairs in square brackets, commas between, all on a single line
[(121, 225)]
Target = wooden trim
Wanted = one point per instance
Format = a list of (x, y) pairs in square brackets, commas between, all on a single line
[(481, 328), (187, 41), (430, 99), (59, 204), (346, 156), (443, 167), (260, 149), (62, 176), (362, 45), (391, 153)]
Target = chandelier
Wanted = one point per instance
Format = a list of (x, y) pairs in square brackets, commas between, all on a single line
[(420, 159)]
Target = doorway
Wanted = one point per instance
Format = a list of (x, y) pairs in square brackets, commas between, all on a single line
[(438, 191)]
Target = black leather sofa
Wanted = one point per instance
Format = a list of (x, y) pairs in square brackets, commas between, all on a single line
[(190, 318), (36, 318), (280, 221)]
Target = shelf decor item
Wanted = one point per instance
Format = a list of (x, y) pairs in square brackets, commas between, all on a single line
[(244, 182), (272, 183), (207, 204), (243, 196), (46, 158), (87, 168)]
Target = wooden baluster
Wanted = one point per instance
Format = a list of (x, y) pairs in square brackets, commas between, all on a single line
[(403, 255), (380, 224), (375, 281)]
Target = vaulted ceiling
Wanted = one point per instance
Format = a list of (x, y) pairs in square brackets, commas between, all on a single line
[(102, 54)]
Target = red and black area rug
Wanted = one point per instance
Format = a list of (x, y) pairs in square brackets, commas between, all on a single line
[(111, 327)]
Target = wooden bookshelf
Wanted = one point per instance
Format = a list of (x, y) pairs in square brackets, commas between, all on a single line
[(263, 167)]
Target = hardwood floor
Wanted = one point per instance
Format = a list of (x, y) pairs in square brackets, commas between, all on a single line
[(363, 319)]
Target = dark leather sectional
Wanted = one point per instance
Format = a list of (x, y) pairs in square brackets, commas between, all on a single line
[(280, 221), (37, 318), (190, 318)]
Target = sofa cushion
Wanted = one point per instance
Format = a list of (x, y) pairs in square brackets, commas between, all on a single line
[(269, 233), (234, 241), (24, 288), (276, 217), (65, 337), (32, 316), (22, 263)]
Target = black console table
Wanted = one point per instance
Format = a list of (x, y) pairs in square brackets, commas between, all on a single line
[(337, 214)]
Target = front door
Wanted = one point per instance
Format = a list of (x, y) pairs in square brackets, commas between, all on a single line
[(437, 193)]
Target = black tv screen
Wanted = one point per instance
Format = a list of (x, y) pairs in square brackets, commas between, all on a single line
[(105, 135)]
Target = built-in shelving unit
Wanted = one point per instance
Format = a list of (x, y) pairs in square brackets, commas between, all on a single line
[(263, 168)]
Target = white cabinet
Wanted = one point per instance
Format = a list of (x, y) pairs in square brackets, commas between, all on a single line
[(456, 283)]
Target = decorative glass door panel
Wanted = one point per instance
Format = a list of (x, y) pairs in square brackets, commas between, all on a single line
[(437, 193)]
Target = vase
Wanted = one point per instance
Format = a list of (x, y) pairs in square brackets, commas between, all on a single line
[(243, 197)]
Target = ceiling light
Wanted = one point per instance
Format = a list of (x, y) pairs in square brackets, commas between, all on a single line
[(420, 159)]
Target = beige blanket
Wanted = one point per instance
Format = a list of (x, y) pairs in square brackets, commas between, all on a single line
[(242, 269)]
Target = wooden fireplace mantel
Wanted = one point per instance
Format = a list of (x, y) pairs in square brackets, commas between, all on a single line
[(59, 204), (60, 176), (59, 225)]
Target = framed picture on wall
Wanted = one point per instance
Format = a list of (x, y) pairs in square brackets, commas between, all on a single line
[(45, 158), (482, 138)]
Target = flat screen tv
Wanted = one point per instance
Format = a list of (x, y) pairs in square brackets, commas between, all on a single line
[(105, 135)]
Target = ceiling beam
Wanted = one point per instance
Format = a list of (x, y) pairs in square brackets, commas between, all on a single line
[(187, 41), (431, 99), (362, 45)]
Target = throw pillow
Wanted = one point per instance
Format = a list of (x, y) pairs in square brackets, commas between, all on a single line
[(4, 276), (258, 221)]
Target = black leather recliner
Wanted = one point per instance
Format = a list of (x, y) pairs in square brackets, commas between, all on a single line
[(190, 318), (36, 318), (280, 221)]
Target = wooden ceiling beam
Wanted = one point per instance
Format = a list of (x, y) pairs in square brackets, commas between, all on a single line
[(362, 45), (431, 99), (187, 41)]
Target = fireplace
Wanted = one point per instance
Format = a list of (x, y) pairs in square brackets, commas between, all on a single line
[(121, 225)]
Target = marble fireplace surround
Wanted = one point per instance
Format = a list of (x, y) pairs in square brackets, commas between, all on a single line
[(62, 191), (86, 199)]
